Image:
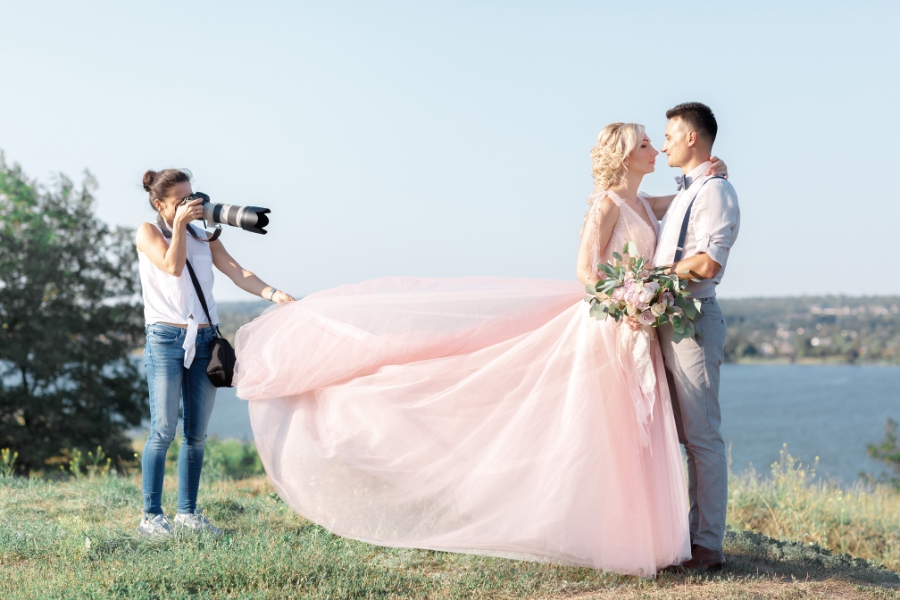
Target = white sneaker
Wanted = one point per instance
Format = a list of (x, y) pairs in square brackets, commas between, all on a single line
[(155, 525), (197, 522)]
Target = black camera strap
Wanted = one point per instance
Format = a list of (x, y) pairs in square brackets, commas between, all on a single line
[(167, 231)]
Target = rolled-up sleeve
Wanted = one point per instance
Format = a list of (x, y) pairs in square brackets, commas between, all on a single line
[(715, 220)]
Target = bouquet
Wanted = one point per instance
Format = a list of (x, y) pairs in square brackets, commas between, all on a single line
[(650, 296)]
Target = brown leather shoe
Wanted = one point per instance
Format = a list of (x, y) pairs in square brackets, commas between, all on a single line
[(704, 560)]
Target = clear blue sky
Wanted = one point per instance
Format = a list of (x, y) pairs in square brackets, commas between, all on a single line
[(449, 139)]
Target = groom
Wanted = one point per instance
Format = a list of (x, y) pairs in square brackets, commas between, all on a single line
[(696, 237)]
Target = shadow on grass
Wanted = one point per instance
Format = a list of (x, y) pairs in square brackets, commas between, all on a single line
[(753, 555)]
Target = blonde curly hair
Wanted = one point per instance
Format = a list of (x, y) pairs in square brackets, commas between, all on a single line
[(614, 144)]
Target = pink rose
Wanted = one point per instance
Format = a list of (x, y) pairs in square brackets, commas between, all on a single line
[(668, 298), (647, 318), (633, 291)]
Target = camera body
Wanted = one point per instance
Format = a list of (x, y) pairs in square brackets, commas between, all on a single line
[(248, 218)]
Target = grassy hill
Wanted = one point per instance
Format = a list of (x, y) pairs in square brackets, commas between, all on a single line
[(77, 539)]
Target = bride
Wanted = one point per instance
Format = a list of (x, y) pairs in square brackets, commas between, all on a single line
[(481, 415)]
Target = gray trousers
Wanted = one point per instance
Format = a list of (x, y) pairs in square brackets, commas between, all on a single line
[(692, 368)]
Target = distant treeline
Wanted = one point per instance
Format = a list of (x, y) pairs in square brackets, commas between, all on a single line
[(234, 314), (807, 328), (814, 329)]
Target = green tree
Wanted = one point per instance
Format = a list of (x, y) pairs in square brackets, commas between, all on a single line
[(70, 317), (888, 450)]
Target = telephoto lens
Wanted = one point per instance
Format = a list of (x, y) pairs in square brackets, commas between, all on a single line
[(248, 218)]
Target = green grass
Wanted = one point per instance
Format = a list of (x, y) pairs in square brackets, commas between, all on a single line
[(77, 539)]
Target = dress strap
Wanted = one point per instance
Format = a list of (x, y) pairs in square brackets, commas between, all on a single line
[(617, 199)]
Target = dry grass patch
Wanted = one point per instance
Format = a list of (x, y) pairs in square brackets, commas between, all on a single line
[(793, 504)]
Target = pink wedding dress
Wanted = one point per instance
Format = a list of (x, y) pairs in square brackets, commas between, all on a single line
[(480, 415)]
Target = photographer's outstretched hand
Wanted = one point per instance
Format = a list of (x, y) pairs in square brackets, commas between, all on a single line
[(282, 298)]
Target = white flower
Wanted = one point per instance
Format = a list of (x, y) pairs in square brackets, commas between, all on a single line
[(658, 309), (648, 292)]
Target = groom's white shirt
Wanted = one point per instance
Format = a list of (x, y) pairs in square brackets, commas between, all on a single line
[(713, 229)]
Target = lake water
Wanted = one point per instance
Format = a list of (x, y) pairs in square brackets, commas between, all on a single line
[(827, 411)]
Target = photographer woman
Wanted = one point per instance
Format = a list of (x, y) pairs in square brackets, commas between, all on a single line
[(179, 338)]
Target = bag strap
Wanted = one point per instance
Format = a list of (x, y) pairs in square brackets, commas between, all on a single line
[(199, 290), (679, 250)]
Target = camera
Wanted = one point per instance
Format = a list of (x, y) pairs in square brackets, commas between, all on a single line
[(248, 218)]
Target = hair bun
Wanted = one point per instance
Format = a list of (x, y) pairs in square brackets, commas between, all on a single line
[(149, 178)]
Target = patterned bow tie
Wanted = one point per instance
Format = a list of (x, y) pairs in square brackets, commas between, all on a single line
[(682, 182)]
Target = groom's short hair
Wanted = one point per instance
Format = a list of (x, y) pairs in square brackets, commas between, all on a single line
[(698, 117)]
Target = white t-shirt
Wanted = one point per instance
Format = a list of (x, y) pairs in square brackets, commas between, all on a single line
[(170, 299)]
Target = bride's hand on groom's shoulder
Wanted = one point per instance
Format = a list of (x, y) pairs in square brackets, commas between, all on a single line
[(718, 168)]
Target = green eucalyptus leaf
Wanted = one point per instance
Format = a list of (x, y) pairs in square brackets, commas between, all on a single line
[(609, 270), (690, 311)]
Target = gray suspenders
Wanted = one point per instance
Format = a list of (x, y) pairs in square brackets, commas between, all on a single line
[(687, 217)]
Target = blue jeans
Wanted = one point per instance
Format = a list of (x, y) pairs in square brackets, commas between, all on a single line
[(170, 382)]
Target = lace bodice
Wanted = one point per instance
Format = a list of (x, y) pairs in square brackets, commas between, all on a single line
[(631, 227)]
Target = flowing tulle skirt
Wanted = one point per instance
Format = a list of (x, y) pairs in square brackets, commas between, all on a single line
[(487, 416)]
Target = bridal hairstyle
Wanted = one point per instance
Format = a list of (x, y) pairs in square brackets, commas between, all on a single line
[(158, 183), (697, 116), (614, 144)]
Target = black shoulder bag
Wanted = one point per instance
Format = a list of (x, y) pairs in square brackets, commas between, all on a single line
[(220, 369)]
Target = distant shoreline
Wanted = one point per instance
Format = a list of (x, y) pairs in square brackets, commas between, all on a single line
[(809, 362)]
